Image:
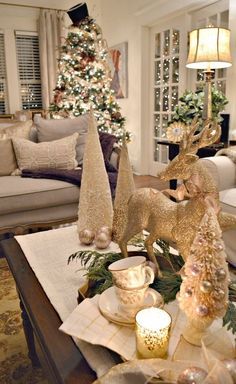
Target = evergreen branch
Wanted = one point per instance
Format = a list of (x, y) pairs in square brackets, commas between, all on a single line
[(230, 318), (232, 291), (168, 285)]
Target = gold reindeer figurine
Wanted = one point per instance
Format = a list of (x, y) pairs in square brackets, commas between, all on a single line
[(177, 222)]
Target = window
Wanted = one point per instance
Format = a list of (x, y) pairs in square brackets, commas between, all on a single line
[(166, 86), (27, 50), (3, 93)]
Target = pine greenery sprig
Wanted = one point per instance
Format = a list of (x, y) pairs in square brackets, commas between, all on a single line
[(168, 285), (229, 320)]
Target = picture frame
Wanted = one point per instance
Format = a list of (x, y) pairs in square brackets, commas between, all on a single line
[(118, 62)]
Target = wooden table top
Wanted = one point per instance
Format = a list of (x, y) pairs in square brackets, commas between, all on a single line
[(65, 363)]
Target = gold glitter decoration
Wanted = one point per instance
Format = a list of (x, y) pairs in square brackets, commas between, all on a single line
[(175, 131), (206, 272), (124, 188), (177, 223), (95, 202)]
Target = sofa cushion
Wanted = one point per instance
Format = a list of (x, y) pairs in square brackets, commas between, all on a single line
[(55, 129), (21, 129), (19, 194), (228, 200), (8, 163), (58, 154)]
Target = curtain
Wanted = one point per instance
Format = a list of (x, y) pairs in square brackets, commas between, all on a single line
[(51, 33)]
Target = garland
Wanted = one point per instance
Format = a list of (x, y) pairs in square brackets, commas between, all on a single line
[(96, 265)]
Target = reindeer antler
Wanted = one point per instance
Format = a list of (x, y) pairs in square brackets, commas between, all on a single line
[(207, 136)]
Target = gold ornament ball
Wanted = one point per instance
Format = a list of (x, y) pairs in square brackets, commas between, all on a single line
[(86, 236), (192, 375), (102, 240), (230, 364)]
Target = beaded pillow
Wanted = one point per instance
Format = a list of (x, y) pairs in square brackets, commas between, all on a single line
[(58, 154)]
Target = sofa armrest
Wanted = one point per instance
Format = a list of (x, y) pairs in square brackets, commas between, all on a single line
[(223, 170)]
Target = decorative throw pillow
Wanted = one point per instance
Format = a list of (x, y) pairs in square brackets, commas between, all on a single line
[(58, 154), (7, 158), (21, 129), (8, 163), (54, 129)]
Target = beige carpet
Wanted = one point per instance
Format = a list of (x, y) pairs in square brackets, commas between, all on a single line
[(15, 367)]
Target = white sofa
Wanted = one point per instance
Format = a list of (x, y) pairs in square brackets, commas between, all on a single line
[(223, 169), (27, 203)]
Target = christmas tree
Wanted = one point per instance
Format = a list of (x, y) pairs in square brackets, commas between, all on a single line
[(204, 290), (84, 76)]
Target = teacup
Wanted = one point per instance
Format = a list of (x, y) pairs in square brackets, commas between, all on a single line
[(131, 272), (132, 300)]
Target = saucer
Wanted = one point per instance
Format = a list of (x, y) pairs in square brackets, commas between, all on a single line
[(109, 306)]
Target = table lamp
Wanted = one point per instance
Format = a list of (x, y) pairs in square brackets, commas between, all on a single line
[(209, 49)]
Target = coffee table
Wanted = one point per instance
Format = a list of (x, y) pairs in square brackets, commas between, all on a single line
[(54, 350)]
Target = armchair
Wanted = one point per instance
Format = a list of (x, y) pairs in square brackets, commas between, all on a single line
[(223, 169)]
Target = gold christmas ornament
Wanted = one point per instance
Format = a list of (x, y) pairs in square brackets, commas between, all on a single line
[(192, 375), (95, 203), (102, 240), (86, 236), (176, 131)]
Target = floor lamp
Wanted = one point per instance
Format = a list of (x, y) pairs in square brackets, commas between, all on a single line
[(209, 48)]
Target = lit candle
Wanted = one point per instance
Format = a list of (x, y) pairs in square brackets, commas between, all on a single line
[(152, 332)]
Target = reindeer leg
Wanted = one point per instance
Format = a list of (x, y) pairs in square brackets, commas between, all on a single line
[(127, 235), (149, 247)]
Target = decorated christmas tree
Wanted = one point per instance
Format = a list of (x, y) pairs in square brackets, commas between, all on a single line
[(84, 80), (204, 290)]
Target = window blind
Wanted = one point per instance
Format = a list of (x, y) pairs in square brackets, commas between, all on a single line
[(3, 93), (27, 49)]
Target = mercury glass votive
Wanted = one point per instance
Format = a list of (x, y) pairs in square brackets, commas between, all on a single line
[(152, 332)]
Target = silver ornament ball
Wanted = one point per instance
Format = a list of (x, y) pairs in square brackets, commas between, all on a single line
[(220, 274), (195, 269), (192, 375), (206, 286), (202, 310), (102, 240), (86, 236), (230, 364), (188, 292), (105, 229)]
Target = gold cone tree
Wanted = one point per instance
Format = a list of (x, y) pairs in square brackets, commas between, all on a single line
[(95, 203), (124, 188)]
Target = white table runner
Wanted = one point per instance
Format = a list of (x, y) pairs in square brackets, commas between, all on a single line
[(47, 253)]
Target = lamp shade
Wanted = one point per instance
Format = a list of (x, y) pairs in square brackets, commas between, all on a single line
[(209, 47)]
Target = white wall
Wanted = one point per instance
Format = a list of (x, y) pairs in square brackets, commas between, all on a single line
[(130, 21)]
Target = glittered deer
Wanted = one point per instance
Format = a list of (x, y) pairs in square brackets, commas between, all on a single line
[(177, 222)]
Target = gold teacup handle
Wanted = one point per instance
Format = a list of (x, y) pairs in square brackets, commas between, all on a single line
[(153, 294)]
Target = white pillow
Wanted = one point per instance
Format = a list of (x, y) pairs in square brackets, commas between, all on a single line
[(58, 154)]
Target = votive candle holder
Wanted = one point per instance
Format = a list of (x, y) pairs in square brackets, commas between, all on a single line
[(152, 333)]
